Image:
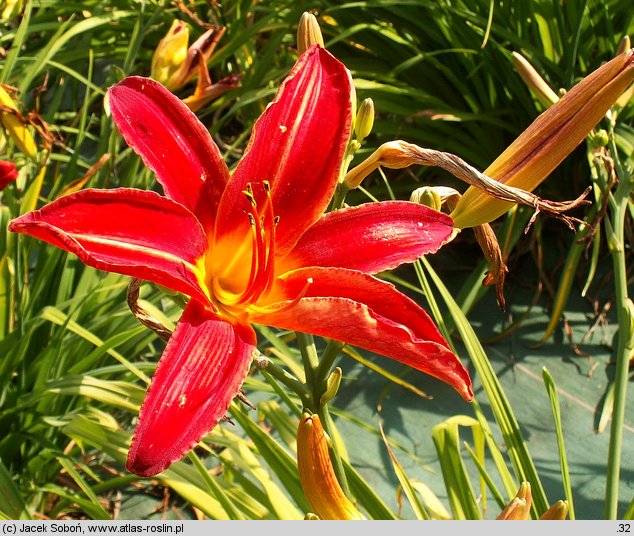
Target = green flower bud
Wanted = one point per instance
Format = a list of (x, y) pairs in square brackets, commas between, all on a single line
[(332, 386), (600, 138), (426, 196), (365, 119)]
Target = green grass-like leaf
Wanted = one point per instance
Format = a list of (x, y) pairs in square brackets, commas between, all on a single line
[(563, 460), (504, 416)]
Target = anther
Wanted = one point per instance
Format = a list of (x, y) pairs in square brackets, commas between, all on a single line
[(249, 195)]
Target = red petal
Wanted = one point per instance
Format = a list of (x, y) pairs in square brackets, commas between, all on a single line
[(358, 309), (201, 370), (130, 232), (297, 145), (172, 142), (371, 238), (8, 173)]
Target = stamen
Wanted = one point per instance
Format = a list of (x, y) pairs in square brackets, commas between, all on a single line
[(248, 193), (262, 282), (220, 293), (232, 298), (238, 254), (269, 269), (279, 308), (254, 258), (258, 258), (261, 276)]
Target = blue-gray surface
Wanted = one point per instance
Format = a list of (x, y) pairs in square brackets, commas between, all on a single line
[(581, 381)]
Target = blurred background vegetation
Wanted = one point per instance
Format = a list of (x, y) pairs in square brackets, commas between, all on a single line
[(74, 363)]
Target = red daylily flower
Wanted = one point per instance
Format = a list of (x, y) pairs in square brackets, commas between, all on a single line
[(8, 173), (249, 247)]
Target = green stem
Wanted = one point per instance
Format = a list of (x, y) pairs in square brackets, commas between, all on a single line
[(275, 372), (616, 234), (622, 362), (340, 196), (327, 361), (310, 361), (283, 394)]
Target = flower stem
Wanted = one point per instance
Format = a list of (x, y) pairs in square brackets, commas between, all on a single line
[(310, 361), (327, 360), (616, 236), (268, 368), (340, 196)]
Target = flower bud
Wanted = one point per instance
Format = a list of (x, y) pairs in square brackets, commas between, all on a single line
[(393, 154), (534, 81), (308, 33), (14, 125), (624, 45), (548, 140), (624, 99), (317, 474), (174, 63), (557, 512), (600, 138), (332, 386), (11, 9), (427, 196), (170, 52), (520, 507), (365, 119)]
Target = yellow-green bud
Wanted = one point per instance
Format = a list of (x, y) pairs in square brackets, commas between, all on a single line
[(600, 138), (426, 196), (365, 119), (308, 33), (11, 9), (354, 146), (170, 52), (332, 386), (15, 125)]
